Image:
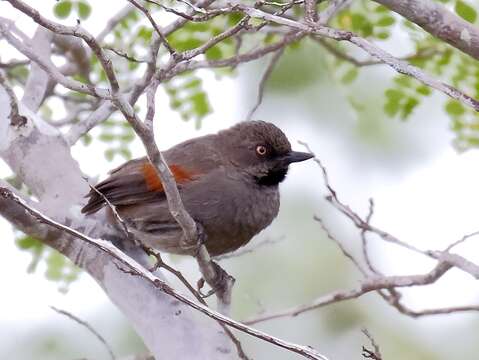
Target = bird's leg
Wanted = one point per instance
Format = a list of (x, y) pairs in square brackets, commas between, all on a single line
[(219, 280)]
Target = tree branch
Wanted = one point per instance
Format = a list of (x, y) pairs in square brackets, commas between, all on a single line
[(440, 22), (134, 268)]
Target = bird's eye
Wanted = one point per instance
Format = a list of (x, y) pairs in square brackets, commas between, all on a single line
[(261, 150)]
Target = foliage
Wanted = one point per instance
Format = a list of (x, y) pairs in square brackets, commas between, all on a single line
[(63, 9), (133, 35), (58, 267), (404, 94)]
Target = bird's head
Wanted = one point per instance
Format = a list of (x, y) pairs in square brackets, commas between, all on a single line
[(262, 150)]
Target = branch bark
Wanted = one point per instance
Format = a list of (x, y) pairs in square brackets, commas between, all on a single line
[(440, 22), (42, 160)]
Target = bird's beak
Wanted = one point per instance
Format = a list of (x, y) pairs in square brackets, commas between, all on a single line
[(296, 156)]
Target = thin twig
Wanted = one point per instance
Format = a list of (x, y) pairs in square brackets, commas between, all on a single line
[(88, 327), (145, 11), (375, 354), (137, 269), (269, 69)]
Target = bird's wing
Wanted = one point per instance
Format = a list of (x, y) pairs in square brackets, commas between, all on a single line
[(136, 182), (133, 183)]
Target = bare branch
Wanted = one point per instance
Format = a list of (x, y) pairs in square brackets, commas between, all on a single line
[(124, 55), (367, 285), (310, 11), (15, 118), (155, 26), (440, 22), (49, 67), (373, 50), (274, 60), (135, 269), (368, 354), (77, 31), (13, 63)]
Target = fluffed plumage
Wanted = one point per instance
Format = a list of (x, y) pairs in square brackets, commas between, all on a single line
[(226, 182)]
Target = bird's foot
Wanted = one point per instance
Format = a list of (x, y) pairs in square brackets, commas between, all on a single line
[(220, 282)]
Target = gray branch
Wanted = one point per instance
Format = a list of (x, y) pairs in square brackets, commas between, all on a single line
[(440, 22)]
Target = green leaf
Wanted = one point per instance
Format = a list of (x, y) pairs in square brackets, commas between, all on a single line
[(62, 9), (465, 11), (454, 108), (214, 53), (386, 21), (383, 35), (381, 9), (200, 104), (361, 24), (186, 44), (107, 137), (127, 137), (194, 83), (84, 10), (55, 265), (145, 34), (109, 154), (269, 38), (394, 94), (423, 90), (87, 139), (27, 242), (126, 153), (350, 76), (408, 107), (391, 108), (403, 81)]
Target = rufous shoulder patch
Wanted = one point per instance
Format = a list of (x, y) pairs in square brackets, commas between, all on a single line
[(153, 182)]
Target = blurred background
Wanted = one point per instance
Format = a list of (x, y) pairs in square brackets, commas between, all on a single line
[(424, 188)]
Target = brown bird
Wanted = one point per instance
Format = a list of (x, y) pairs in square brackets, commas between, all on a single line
[(228, 183)]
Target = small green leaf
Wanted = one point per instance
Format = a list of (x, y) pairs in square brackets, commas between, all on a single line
[(62, 9), (391, 108), (269, 38), (386, 21), (402, 80), (127, 137), (126, 153), (27, 242), (214, 53), (84, 10), (109, 154), (381, 9), (86, 139), (55, 265), (350, 76), (200, 104), (466, 11), (194, 83), (145, 34), (107, 137), (408, 107), (423, 90), (394, 94), (454, 108), (175, 104), (383, 35)]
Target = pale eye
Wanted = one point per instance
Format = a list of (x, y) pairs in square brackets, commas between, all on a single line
[(261, 150)]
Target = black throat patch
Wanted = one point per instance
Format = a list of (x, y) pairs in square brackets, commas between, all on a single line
[(274, 177)]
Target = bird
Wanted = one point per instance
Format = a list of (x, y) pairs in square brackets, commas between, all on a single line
[(228, 182)]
